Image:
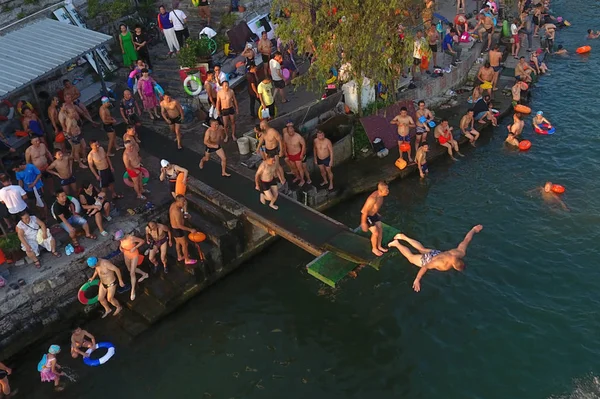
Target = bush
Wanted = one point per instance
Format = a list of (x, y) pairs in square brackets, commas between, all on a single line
[(10, 243)]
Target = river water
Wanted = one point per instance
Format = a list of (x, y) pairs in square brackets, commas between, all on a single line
[(521, 322)]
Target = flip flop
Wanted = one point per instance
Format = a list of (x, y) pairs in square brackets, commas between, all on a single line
[(130, 211), (79, 249), (21, 282), (69, 249), (56, 254)]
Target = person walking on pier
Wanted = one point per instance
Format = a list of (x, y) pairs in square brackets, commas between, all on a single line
[(172, 113), (109, 276), (295, 150), (157, 237), (428, 259), (323, 154), (265, 182), (180, 230), (271, 140), (227, 107), (370, 219), (133, 165), (212, 141)]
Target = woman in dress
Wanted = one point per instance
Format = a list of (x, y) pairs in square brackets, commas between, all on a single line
[(48, 368), (146, 92), (127, 47), (28, 229)]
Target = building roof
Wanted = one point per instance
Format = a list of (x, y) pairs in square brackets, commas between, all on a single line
[(41, 47)]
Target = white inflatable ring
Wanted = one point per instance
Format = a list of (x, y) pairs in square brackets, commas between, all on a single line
[(196, 80), (110, 352)]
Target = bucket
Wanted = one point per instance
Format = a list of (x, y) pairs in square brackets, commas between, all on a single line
[(243, 145)]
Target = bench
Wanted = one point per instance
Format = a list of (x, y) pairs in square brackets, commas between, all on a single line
[(93, 92)]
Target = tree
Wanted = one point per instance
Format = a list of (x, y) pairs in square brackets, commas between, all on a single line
[(363, 34)]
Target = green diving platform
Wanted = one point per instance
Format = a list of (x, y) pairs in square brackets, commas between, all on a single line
[(334, 265)]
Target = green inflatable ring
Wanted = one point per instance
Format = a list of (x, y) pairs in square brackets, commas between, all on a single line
[(81, 294), (196, 80), (145, 178), (505, 29)]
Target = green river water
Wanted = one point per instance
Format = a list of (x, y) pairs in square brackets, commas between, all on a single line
[(521, 322)]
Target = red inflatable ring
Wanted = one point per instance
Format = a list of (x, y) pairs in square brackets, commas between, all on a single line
[(11, 111), (524, 145), (558, 189)]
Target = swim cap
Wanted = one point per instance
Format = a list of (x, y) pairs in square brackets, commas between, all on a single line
[(105, 99), (164, 163), (540, 112), (54, 349), (92, 261), (289, 121), (119, 235)]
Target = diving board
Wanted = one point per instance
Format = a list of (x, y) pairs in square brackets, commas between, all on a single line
[(331, 267)]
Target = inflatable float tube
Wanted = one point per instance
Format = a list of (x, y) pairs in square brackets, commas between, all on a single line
[(583, 50), (60, 137), (145, 177), (286, 73), (522, 109), (11, 111), (81, 294), (158, 90), (557, 189), (525, 145), (544, 128), (180, 184), (196, 80), (110, 352), (495, 112)]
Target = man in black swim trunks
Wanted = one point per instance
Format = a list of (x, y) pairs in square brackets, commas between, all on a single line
[(108, 125), (271, 140), (180, 230), (172, 113), (227, 106), (265, 182), (102, 168), (212, 141), (370, 219), (323, 154)]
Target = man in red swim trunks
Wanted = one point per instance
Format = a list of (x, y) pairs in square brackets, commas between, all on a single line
[(295, 151), (133, 164), (443, 134)]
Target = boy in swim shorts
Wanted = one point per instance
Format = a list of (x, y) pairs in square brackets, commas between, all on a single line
[(79, 342), (421, 159)]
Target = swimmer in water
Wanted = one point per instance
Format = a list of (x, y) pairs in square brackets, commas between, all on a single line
[(561, 51), (549, 196), (515, 130), (428, 259), (592, 35), (81, 340), (538, 119)]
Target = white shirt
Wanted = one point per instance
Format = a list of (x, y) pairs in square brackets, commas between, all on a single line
[(177, 25), (419, 43), (220, 79), (275, 69), (514, 30), (12, 198)]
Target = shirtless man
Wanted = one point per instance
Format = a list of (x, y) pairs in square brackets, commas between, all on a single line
[(487, 23), (370, 219), (180, 230), (404, 122), (265, 183), (71, 96), (81, 339), (428, 259), (466, 127), (38, 155), (32, 125), (486, 77), (550, 197), (516, 92), (75, 136), (172, 113), (422, 127), (432, 39), (5, 371), (514, 130), (323, 154), (227, 106), (495, 57), (295, 150), (443, 133), (212, 141), (53, 115), (157, 237), (62, 167), (101, 166), (264, 48), (131, 135), (108, 123), (109, 275), (523, 71), (421, 160), (271, 140), (211, 92), (133, 165)]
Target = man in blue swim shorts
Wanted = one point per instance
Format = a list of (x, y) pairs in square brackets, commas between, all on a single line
[(404, 122), (428, 259), (421, 159)]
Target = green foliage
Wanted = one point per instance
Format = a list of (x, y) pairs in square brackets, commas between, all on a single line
[(366, 31), (194, 51), (93, 8), (220, 39), (10, 243), (30, 2), (118, 8), (21, 15), (147, 9), (361, 140), (7, 8), (228, 20)]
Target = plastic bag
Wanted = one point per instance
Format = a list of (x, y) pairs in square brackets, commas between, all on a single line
[(265, 113), (38, 199)]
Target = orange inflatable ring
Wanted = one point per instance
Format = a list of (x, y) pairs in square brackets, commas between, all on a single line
[(558, 189), (522, 109), (583, 50), (524, 145), (60, 137), (404, 147), (197, 237)]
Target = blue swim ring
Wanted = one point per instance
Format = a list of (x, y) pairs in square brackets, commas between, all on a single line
[(158, 90), (431, 123), (110, 352)]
